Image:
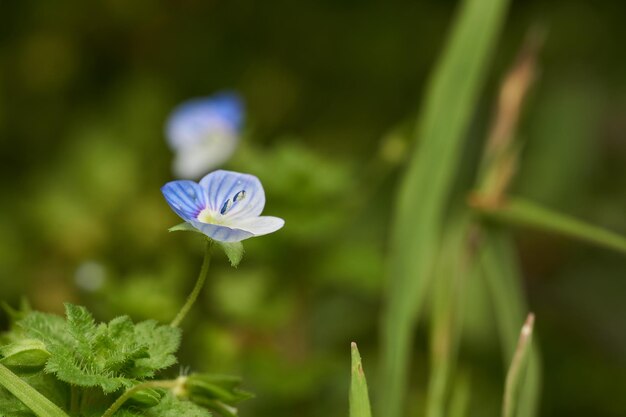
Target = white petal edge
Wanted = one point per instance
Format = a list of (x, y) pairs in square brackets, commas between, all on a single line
[(258, 226)]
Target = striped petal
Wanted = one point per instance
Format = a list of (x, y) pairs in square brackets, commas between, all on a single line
[(234, 195), (185, 197), (221, 233)]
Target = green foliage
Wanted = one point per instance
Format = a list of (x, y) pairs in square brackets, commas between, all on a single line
[(233, 250), (517, 211), (171, 406), (359, 396), (220, 393), (503, 278), (107, 369), (425, 191), (110, 356), (34, 399), (24, 355)]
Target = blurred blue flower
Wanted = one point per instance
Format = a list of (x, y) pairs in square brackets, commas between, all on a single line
[(204, 133), (225, 205)]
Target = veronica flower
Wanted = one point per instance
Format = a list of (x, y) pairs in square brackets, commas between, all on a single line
[(225, 205), (203, 133)]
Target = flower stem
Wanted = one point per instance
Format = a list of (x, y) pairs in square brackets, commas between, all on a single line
[(196, 290), (130, 392)]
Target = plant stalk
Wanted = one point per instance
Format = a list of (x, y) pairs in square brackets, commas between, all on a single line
[(191, 299)]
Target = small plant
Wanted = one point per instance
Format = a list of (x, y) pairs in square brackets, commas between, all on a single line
[(56, 367)]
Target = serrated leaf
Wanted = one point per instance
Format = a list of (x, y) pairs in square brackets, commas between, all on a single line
[(161, 342), (109, 356), (171, 406), (233, 250)]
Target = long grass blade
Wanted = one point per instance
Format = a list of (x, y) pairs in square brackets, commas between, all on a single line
[(515, 376), (359, 397), (517, 211), (40, 405), (424, 193), (456, 263), (501, 273), (459, 402)]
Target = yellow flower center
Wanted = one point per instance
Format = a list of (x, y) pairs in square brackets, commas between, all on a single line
[(207, 216)]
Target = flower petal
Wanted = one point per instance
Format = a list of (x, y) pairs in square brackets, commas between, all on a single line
[(196, 160), (185, 197), (191, 122), (221, 233), (258, 226), (242, 195)]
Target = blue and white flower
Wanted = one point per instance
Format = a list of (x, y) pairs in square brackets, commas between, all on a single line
[(226, 206), (203, 133)]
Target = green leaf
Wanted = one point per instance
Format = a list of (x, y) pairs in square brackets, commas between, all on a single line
[(184, 227), (449, 104), (233, 250), (171, 406), (25, 355), (525, 213), (502, 275), (146, 398), (359, 397), (219, 393), (161, 342), (455, 268), (35, 401), (110, 356), (515, 376)]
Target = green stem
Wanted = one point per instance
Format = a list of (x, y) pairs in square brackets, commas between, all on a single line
[(33, 399), (520, 212), (129, 393), (198, 287), (75, 399)]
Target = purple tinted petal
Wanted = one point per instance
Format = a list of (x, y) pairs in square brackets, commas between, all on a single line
[(185, 197)]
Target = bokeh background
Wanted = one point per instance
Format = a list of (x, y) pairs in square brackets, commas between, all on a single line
[(331, 88)]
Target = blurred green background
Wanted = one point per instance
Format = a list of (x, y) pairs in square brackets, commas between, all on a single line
[(330, 87)]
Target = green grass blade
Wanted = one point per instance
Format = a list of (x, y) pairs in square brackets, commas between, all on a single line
[(520, 212), (359, 397), (424, 193), (503, 279), (455, 265), (459, 403), (39, 405), (515, 376)]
